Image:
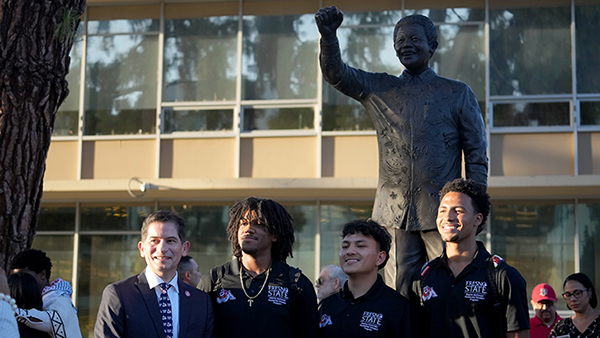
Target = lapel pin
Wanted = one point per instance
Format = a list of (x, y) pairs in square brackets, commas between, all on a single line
[(187, 293)]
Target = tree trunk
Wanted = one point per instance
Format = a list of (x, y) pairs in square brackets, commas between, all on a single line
[(36, 37)]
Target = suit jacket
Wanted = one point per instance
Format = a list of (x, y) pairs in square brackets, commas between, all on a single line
[(129, 308)]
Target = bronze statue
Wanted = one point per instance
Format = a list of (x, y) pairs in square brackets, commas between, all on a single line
[(424, 124)]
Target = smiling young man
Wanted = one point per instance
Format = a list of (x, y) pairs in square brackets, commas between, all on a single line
[(156, 303), (466, 292), (424, 124), (258, 294), (366, 307)]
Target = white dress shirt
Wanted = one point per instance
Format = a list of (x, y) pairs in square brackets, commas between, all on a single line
[(153, 282)]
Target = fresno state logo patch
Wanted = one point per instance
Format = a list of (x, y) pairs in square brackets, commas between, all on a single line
[(278, 295), (475, 290), (371, 321), (225, 296), (325, 320), (428, 293), (497, 260)]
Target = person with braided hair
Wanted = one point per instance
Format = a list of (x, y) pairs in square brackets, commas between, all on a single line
[(258, 294)]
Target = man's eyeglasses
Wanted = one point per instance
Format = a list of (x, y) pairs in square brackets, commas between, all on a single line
[(577, 294), (320, 281)]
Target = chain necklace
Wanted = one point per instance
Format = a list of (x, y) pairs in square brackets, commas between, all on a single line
[(251, 299)]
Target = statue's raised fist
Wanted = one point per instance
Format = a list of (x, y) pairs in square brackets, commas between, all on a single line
[(329, 20)]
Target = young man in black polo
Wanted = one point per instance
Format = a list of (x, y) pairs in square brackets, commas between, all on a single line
[(466, 292), (366, 307), (258, 295)]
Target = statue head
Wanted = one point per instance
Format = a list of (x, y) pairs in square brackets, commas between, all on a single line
[(415, 41)]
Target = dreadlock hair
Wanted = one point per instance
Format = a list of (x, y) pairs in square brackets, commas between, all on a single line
[(274, 218), (370, 228), (34, 260), (477, 192)]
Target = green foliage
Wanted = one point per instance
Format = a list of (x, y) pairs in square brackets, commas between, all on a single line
[(67, 27)]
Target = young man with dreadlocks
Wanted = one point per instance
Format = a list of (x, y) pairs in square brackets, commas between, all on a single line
[(257, 294)]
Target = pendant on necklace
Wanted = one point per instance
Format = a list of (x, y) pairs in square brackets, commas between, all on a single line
[(250, 301)]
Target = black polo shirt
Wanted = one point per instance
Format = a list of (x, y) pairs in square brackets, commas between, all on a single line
[(464, 306), (381, 312), (279, 311)]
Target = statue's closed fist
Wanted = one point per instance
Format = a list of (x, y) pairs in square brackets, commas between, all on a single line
[(329, 20)]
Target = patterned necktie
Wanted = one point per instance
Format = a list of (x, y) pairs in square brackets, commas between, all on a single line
[(164, 303)]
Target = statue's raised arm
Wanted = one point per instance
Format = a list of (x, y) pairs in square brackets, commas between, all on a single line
[(328, 21)]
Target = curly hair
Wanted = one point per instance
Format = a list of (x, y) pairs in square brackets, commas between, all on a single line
[(34, 260), (428, 26), (372, 229), (477, 192), (274, 218)]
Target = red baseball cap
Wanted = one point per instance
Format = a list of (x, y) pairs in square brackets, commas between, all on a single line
[(543, 291)]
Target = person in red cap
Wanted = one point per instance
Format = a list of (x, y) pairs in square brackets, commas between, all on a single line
[(543, 300)]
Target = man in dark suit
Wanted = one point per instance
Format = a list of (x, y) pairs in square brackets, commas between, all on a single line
[(156, 303)]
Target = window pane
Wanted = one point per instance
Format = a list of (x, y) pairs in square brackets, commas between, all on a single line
[(305, 220), (588, 48), (333, 218), (370, 49), (451, 15), (589, 243), (56, 219), (67, 117), (530, 51), (461, 56), (279, 57), (278, 118), (113, 218), (59, 248), (590, 112), (200, 59), (207, 233), (103, 260), (123, 26), (537, 239), (121, 85), (527, 114), (197, 120)]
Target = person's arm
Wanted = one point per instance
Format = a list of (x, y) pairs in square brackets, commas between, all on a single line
[(350, 81), (473, 138), (518, 334), (305, 321), (421, 318), (206, 282), (8, 324), (407, 324), (210, 320), (513, 293), (110, 322), (328, 20)]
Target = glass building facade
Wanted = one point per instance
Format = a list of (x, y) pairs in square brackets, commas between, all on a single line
[(205, 103)]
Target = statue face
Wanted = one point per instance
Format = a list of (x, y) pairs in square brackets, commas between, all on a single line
[(412, 48)]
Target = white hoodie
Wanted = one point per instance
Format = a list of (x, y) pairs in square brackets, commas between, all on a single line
[(59, 317)]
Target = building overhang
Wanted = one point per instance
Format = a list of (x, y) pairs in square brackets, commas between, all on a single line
[(518, 187)]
